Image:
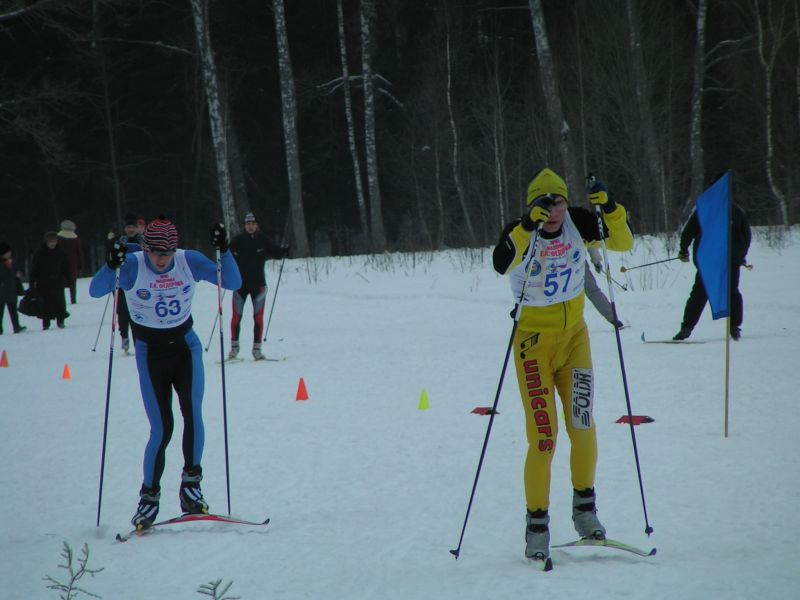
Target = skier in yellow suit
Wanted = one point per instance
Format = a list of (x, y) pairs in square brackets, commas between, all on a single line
[(551, 342)]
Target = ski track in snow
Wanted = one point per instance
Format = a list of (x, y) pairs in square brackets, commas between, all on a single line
[(367, 493)]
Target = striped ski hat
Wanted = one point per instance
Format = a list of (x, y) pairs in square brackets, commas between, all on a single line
[(161, 234)]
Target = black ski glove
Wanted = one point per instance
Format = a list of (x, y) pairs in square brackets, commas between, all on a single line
[(116, 255), (219, 238)]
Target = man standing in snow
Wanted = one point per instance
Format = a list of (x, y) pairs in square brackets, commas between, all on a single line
[(10, 288), (251, 249), (132, 240), (551, 342), (159, 284), (70, 244), (696, 302)]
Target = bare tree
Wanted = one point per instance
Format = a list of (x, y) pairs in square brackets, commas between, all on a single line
[(454, 130), (289, 105), (770, 35), (552, 99), (652, 187), (216, 115), (696, 165), (370, 146), (351, 130)]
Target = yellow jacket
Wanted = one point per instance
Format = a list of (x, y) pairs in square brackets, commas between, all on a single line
[(513, 245)]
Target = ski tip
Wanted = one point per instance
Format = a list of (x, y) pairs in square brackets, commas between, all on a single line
[(644, 340), (121, 538), (652, 552)]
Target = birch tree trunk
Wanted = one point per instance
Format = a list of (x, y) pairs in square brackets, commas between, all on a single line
[(370, 146), (552, 100), (454, 132), (767, 52), (351, 130), (696, 154), (289, 106), (216, 116)]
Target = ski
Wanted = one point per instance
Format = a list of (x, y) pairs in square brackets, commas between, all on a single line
[(188, 518), (233, 361), (607, 543), (671, 341)]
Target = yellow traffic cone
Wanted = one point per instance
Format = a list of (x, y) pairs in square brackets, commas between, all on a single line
[(423, 401)]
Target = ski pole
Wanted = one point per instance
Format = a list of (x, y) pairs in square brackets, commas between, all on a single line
[(222, 366), (590, 180), (103, 318), (623, 269), (531, 253), (214, 326), (623, 287), (280, 272), (274, 297), (108, 392)]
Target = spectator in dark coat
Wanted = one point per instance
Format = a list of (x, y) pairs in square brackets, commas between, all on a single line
[(10, 288), (70, 243), (49, 272)]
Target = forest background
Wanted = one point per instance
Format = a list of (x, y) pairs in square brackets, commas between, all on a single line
[(369, 126)]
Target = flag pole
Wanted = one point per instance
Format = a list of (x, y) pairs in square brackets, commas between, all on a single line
[(727, 371)]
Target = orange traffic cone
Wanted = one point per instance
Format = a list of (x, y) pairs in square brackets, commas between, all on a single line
[(4, 360), (302, 393), (65, 374)]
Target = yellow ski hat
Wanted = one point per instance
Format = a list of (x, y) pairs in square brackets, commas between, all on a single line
[(546, 182)]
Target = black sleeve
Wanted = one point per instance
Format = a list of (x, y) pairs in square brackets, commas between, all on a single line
[(586, 222), (690, 231), (503, 254), (273, 249)]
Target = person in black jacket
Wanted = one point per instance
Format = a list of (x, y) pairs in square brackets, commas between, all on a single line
[(740, 244), (132, 240), (49, 273), (251, 250), (10, 288)]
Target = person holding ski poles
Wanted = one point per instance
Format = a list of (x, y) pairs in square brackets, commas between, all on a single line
[(691, 234), (159, 284), (551, 341), (132, 240), (251, 249)]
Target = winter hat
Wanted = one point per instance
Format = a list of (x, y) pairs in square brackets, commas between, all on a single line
[(161, 234), (4, 247), (249, 218), (68, 225), (50, 235), (546, 182), (130, 219)]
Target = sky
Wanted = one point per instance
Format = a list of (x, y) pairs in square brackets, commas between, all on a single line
[(366, 492)]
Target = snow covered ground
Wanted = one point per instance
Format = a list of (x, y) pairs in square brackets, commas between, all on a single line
[(367, 493)]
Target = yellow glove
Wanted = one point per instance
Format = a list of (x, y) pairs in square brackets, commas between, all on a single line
[(538, 213), (599, 196)]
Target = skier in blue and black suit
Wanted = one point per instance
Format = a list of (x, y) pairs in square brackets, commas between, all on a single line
[(159, 284)]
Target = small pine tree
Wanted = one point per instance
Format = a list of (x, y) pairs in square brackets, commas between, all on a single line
[(212, 589), (70, 589)]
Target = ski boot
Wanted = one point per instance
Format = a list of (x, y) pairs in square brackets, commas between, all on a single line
[(234, 350), (191, 496), (147, 510), (584, 515), (257, 351), (537, 535)]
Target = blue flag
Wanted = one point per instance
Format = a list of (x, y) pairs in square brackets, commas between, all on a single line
[(714, 252)]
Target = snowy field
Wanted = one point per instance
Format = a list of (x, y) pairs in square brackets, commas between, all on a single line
[(367, 493)]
